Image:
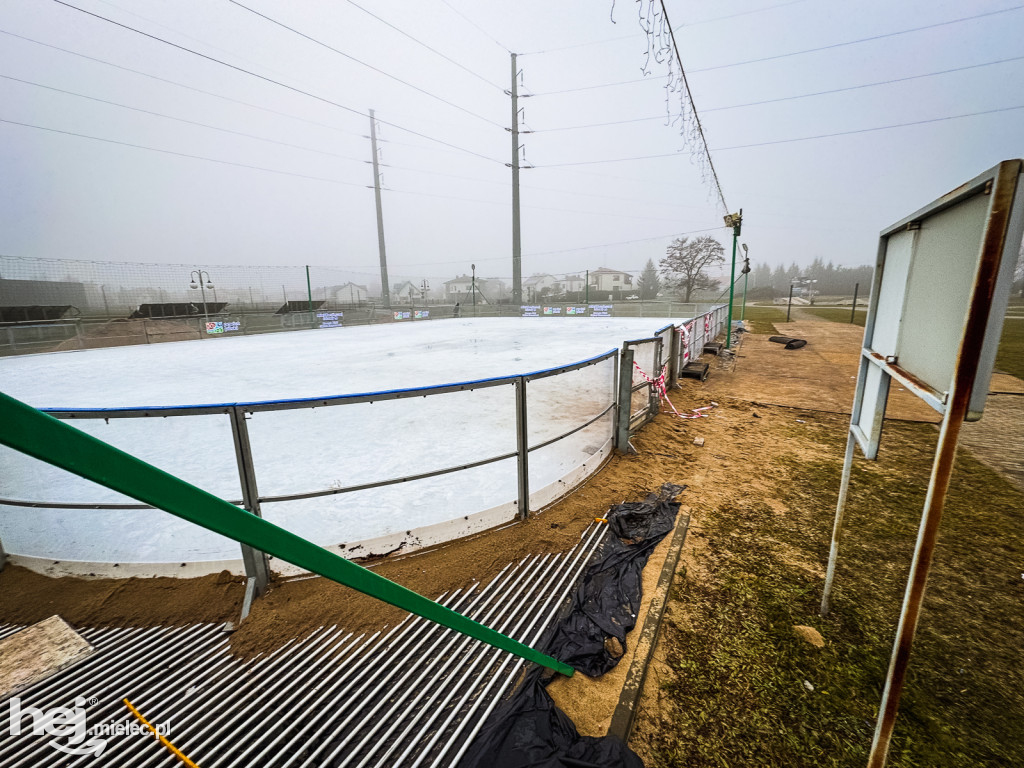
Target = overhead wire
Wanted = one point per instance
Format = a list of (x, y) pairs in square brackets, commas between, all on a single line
[(633, 37), (788, 54), (273, 81), (477, 27), (378, 70), (416, 40), (861, 40), (788, 141), (870, 130), (321, 178), (184, 154), (791, 98), (183, 120), (179, 84)]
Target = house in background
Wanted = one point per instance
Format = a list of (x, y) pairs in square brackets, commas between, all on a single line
[(571, 286), (609, 282), (539, 286), (460, 290), (349, 293), (406, 292)]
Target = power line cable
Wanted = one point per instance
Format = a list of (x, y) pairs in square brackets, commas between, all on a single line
[(464, 68), (786, 55), (183, 120), (181, 85), (788, 141), (476, 26), (350, 57), (791, 98), (318, 178), (861, 40), (272, 81), (633, 37), (869, 130), (185, 154)]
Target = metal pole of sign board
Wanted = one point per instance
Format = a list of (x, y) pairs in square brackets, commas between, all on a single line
[(869, 451), (789, 306), (853, 310)]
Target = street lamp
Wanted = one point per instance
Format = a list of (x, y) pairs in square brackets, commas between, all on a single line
[(197, 282), (473, 267)]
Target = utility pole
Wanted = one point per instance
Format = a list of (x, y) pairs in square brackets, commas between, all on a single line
[(385, 286), (517, 250)]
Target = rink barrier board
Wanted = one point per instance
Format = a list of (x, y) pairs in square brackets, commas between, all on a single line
[(451, 529)]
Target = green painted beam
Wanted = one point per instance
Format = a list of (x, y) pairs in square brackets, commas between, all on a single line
[(48, 439)]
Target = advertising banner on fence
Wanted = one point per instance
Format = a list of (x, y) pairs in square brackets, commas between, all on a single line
[(601, 310), (223, 327), (530, 311), (330, 319)]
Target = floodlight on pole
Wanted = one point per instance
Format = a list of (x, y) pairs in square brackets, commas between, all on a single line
[(734, 220)]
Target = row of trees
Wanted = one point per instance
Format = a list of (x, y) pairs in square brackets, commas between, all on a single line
[(687, 263)]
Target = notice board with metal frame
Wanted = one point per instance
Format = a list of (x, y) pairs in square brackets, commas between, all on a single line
[(938, 300), (928, 269)]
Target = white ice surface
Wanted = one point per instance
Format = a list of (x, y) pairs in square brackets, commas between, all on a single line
[(310, 449)]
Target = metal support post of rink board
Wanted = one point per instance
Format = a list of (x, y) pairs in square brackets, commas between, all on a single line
[(624, 401), (257, 568), (522, 450), (938, 300)]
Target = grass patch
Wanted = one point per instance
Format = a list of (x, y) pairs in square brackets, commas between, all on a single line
[(837, 314), (1010, 357), (763, 319), (735, 693)]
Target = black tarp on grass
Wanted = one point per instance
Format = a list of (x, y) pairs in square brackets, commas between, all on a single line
[(528, 729)]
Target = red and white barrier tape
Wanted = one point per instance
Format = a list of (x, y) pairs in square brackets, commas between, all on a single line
[(662, 390), (685, 331)]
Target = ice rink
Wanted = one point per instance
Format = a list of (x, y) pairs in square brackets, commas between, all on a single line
[(310, 449)]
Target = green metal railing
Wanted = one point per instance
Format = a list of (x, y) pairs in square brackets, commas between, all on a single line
[(48, 439)]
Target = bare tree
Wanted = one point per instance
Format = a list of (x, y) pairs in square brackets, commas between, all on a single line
[(686, 262)]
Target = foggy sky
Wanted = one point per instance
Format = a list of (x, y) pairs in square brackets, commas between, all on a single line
[(445, 207)]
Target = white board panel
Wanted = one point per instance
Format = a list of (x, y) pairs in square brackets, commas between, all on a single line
[(939, 288), (896, 267)]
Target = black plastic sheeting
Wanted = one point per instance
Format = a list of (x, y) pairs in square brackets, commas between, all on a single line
[(606, 604), (528, 730)]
